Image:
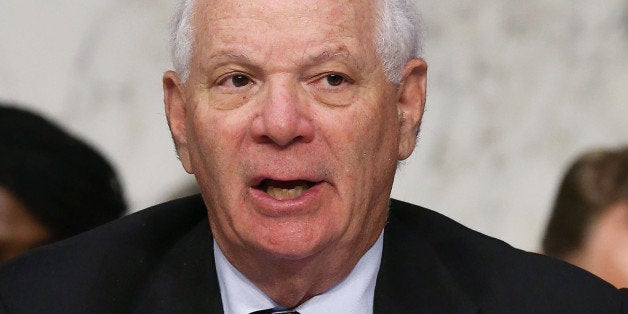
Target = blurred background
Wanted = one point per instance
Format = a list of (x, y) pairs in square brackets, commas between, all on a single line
[(516, 90)]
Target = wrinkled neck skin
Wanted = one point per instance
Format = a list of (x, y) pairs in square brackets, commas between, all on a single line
[(292, 281)]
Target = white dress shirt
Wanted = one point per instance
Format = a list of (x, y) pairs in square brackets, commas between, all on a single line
[(354, 294)]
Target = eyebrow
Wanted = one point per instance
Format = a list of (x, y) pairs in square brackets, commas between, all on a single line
[(327, 55), (229, 56)]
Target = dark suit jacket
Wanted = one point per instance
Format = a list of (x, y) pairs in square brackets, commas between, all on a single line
[(160, 260)]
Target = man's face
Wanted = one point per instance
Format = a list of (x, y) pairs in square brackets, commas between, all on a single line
[(290, 126)]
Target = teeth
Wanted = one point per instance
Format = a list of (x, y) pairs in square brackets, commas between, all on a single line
[(286, 194)]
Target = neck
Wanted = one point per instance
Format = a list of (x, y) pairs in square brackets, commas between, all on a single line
[(291, 282)]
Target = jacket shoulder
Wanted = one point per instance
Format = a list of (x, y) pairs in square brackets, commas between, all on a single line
[(114, 259), (498, 276)]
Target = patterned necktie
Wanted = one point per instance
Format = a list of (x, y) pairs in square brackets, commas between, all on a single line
[(273, 311)]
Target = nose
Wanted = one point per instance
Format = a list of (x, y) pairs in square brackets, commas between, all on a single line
[(282, 119)]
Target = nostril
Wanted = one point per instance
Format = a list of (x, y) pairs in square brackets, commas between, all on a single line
[(265, 139), (295, 140)]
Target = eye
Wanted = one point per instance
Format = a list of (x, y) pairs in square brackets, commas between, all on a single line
[(333, 88), (236, 80), (240, 80), (334, 79)]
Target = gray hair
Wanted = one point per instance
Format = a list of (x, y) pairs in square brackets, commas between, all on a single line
[(398, 37)]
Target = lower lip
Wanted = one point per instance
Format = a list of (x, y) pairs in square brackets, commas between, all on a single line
[(270, 206)]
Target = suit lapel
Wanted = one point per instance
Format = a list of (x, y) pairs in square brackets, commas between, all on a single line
[(412, 279), (186, 281)]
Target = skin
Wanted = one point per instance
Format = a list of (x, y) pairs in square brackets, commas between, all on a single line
[(19, 230), (604, 251), (292, 92)]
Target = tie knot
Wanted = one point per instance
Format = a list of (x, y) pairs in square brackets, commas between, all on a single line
[(275, 311)]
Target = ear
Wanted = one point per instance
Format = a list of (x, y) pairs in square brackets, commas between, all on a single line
[(174, 101), (411, 104)]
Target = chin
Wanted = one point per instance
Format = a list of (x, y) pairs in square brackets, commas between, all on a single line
[(290, 242)]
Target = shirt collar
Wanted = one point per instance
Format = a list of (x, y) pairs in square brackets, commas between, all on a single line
[(354, 294)]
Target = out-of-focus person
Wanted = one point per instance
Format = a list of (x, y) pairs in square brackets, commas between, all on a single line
[(52, 185), (588, 226)]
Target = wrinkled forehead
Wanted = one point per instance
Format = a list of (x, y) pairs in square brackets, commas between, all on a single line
[(335, 9), (352, 18)]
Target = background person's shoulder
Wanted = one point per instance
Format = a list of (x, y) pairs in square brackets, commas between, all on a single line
[(97, 267)]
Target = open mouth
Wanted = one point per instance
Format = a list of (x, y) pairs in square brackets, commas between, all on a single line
[(284, 190)]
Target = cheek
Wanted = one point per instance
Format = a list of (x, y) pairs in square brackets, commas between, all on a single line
[(215, 140), (365, 147), (219, 133), (370, 135)]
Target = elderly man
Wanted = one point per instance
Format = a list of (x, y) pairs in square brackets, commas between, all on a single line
[(292, 115)]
